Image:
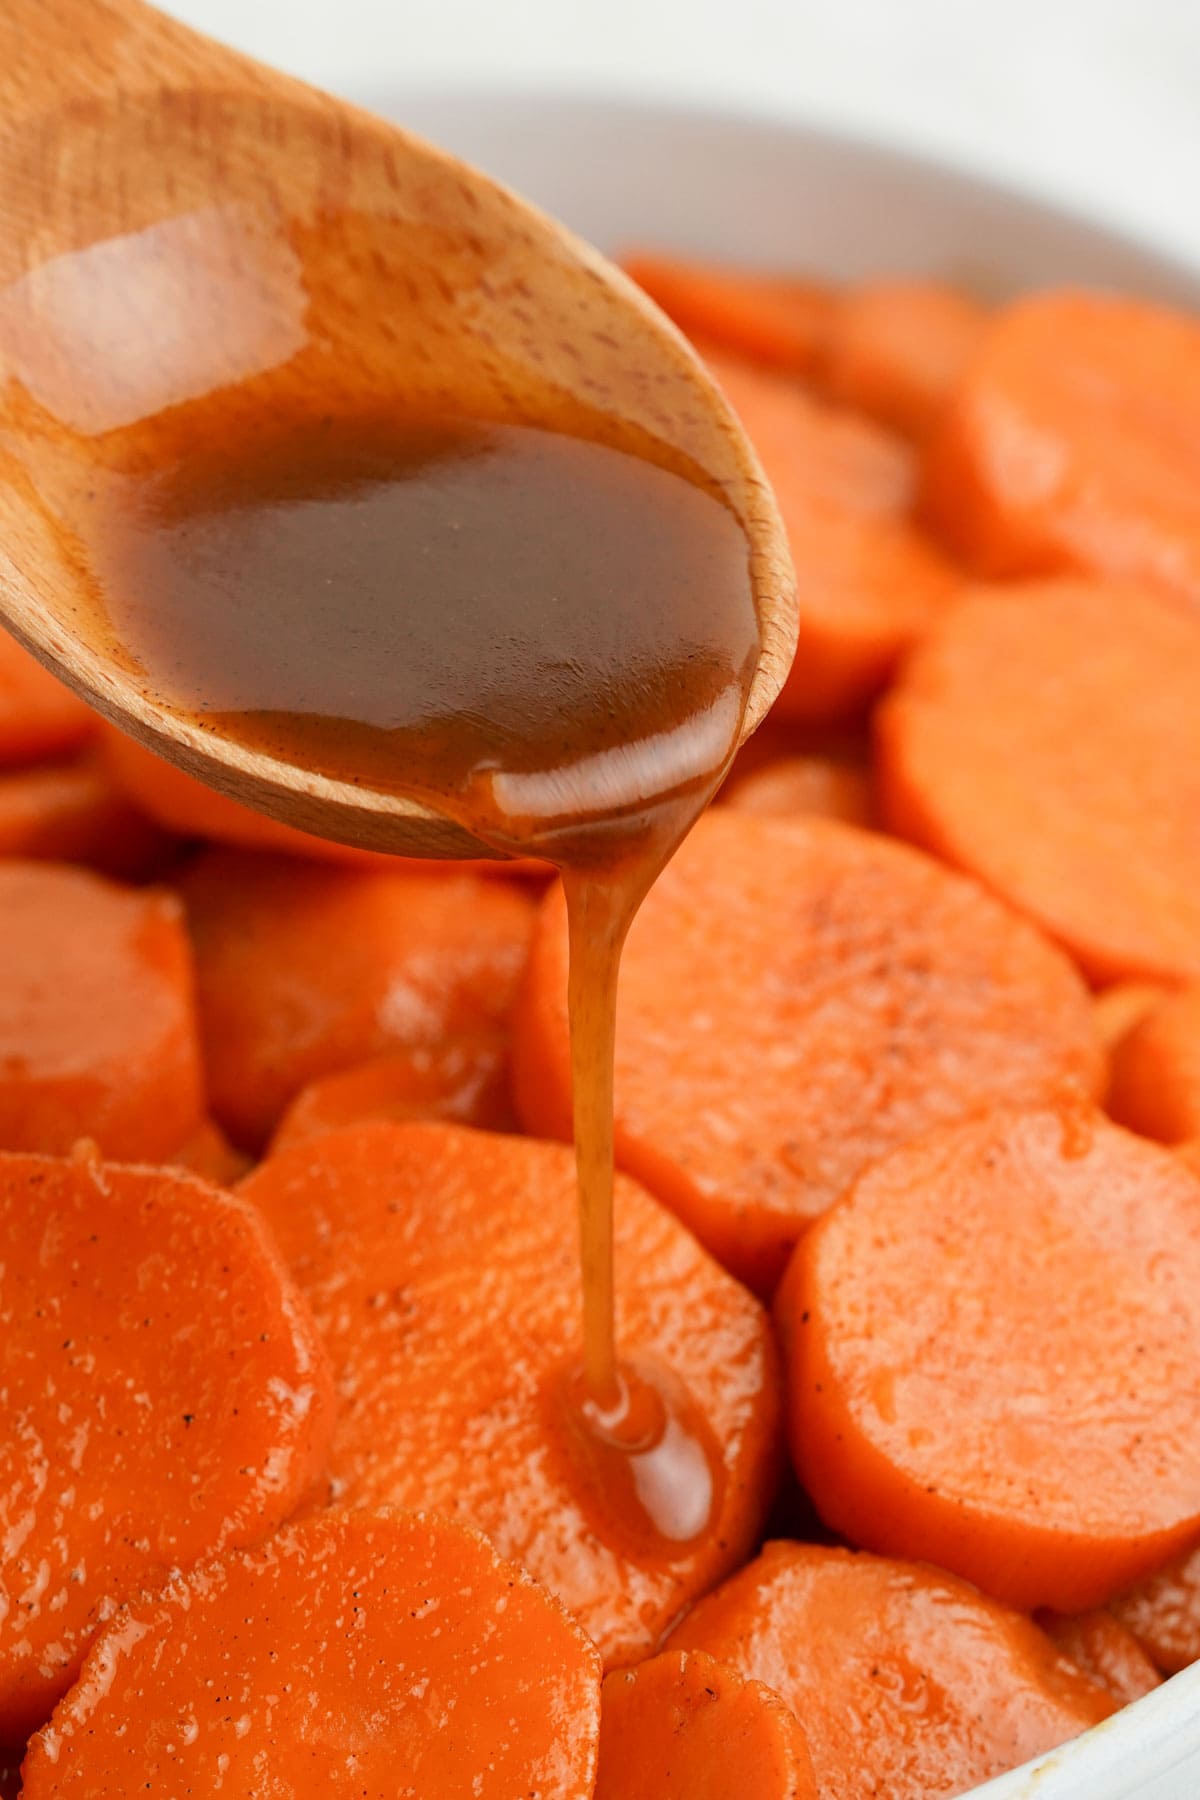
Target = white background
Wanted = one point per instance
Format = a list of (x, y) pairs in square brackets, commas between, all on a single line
[(1096, 102)]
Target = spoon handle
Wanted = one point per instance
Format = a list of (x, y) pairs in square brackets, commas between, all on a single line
[(101, 103), (69, 51)]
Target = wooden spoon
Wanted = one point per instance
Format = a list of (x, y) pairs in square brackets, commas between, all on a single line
[(176, 219)]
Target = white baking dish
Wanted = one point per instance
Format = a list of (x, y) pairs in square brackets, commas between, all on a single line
[(771, 193)]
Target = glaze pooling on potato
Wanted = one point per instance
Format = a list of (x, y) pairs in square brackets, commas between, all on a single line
[(441, 1267)]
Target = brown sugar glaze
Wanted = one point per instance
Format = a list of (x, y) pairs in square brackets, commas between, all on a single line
[(548, 639)]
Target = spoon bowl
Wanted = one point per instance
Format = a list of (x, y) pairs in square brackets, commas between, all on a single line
[(178, 223)]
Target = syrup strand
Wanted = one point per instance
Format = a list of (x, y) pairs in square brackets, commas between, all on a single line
[(598, 915), (601, 904)]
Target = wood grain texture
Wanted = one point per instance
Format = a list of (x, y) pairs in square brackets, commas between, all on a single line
[(176, 220)]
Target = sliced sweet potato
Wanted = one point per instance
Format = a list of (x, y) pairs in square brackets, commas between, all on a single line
[(190, 809), (1043, 737), (1163, 1612), (1154, 1084), (991, 1343), (908, 1683), (464, 1080), (1071, 444), (1105, 1650), (802, 786), (349, 1656), (897, 349), (870, 583), (39, 717), (686, 1727), (443, 1267), (74, 812), (304, 970), (796, 998), (164, 1394), (779, 320), (98, 1035)]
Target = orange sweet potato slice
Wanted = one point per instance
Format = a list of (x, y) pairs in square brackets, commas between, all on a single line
[(74, 812), (991, 1343), (443, 1269), (800, 786), (349, 1656), (907, 1682), (1105, 1650), (796, 998), (779, 320), (1071, 444), (464, 1081), (98, 1034), (897, 349), (869, 582), (1163, 1612), (686, 1727), (303, 970), (164, 1393), (39, 717), (1154, 1085), (1043, 737)]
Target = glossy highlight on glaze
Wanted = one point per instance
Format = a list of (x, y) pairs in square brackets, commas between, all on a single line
[(652, 1473)]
